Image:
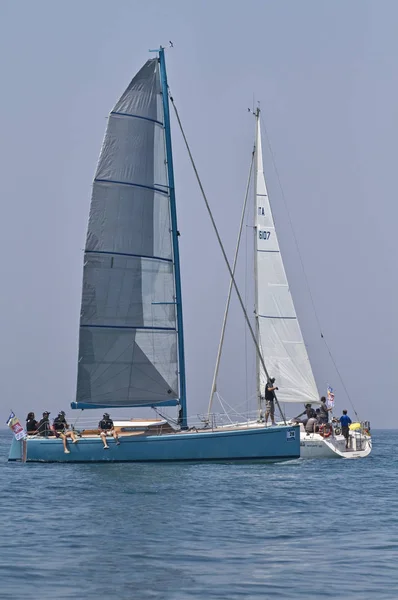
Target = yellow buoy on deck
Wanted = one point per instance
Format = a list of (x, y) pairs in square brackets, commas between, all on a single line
[(355, 426)]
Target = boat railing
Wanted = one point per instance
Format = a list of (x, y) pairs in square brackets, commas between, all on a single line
[(216, 420), (365, 425), (212, 421)]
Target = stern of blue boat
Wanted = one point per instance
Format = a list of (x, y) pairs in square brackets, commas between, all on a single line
[(16, 450)]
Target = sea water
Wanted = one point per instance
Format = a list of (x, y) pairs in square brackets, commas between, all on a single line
[(303, 529)]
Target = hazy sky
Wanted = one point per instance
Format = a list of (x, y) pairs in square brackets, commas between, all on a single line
[(325, 73)]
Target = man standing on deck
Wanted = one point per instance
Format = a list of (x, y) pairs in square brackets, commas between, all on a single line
[(324, 412), (269, 400), (345, 427)]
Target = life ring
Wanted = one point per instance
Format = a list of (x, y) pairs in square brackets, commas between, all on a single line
[(325, 430)]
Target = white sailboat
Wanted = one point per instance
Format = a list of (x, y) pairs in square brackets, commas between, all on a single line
[(279, 334)]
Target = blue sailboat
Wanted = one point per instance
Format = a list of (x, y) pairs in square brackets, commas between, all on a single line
[(131, 340)]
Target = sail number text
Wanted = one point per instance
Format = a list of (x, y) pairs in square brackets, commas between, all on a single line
[(264, 235)]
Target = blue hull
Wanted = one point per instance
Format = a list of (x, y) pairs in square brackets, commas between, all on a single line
[(257, 444)]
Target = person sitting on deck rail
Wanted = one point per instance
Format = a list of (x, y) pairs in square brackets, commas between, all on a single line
[(44, 427), (106, 428), (61, 428), (31, 423)]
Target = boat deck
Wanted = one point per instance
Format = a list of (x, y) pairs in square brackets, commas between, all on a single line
[(136, 427)]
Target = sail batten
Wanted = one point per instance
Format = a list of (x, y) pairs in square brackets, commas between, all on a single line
[(280, 336), (123, 114), (128, 326), (136, 327), (133, 184), (127, 254)]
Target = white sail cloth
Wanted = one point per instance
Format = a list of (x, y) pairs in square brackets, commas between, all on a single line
[(280, 338)]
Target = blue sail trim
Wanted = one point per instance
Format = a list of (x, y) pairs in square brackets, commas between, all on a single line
[(130, 327), (139, 185), (274, 251), (121, 114), (270, 317), (174, 231), (126, 254), (83, 405), (263, 195)]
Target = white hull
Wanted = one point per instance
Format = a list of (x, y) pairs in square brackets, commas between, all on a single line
[(313, 445)]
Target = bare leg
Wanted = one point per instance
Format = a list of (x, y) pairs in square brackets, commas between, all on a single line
[(266, 417), (116, 437), (103, 438), (63, 436), (273, 419), (71, 434)]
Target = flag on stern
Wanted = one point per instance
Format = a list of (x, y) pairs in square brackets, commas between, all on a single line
[(14, 424), (330, 398)]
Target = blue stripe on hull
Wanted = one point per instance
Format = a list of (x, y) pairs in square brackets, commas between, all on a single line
[(250, 445)]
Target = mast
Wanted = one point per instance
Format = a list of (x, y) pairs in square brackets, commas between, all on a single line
[(255, 264), (175, 234)]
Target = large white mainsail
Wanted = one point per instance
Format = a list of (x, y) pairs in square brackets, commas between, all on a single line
[(280, 338)]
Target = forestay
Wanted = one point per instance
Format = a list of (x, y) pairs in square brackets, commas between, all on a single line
[(280, 338), (128, 338)]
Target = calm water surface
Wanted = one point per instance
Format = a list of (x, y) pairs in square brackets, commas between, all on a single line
[(304, 529)]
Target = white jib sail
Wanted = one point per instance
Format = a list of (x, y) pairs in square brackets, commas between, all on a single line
[(280, 337)]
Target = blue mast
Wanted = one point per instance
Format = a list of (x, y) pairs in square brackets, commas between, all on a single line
[(174, 230)]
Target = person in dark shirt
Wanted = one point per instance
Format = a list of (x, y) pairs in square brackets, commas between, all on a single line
[(59, 423), (44, 427), (31, 423), (61, 428), (269, 400), (324, 411), (106, 428), (309, 414), (345, 427)]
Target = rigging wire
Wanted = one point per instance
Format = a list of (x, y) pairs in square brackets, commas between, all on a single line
[(245, 332), (165, 417), (224, 323), (222, 247), (75, 422), (302, 267)]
